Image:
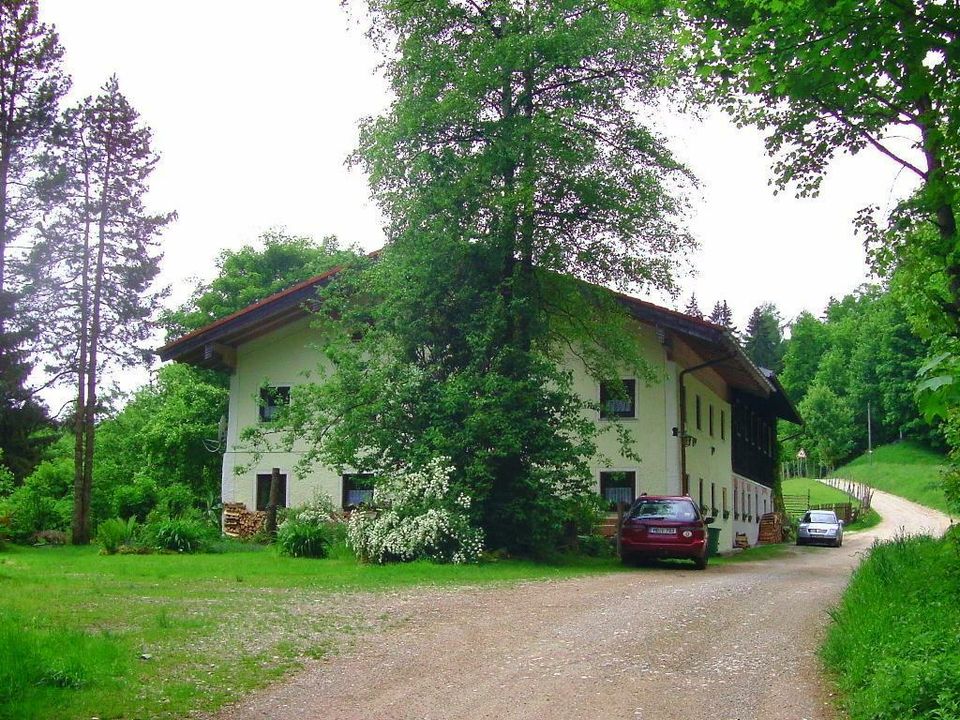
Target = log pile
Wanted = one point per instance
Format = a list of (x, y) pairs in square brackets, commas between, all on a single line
[(771, 529), (240, 522)]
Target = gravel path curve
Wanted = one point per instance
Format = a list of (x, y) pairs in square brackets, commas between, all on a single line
[(734, 642)]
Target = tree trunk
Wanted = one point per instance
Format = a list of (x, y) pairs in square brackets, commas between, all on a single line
[(274, 502), (81, 496)]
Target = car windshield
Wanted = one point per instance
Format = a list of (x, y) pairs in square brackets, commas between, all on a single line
[(663, 510), (821, 517)]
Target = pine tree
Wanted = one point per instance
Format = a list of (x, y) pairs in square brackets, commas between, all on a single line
[(693, 308), (763, 338), (723, 315), (31, 84), (96, 260)]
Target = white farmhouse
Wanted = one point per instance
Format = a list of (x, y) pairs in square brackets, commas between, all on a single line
[(708, 429)]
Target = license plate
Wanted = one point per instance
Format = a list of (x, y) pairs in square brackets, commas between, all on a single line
[(663, 531)]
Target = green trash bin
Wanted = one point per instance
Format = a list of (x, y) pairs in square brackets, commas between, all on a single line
[(713, 541)]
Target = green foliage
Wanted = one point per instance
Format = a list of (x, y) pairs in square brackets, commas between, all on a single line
[(250, 274), (829, 425), (895, 639), (763, 337), (299, 538), (862, 352), (136, 499), (173, 501), (42, 502), (114, 533), (179, 534), (820, 78), (512, 156), (158, 440), (310, 529)]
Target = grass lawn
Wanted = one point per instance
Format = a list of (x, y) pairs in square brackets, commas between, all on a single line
[(905, 469), (820, 494), (84, 635)]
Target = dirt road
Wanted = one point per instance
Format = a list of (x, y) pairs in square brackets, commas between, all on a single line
[(661, 644)]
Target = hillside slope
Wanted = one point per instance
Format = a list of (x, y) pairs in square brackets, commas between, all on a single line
[(905, 468)]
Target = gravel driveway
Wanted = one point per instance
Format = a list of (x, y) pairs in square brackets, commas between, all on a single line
[(669, 642)]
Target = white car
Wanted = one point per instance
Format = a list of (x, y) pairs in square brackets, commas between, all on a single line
[(820, 527)]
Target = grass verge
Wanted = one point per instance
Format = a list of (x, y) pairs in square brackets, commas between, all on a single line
[(85, 635), (894, 643)]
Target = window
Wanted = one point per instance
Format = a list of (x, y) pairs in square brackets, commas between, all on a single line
[(723, 424), (710, 419), (357, 489), (702, 504), (713, 498), (736, 503), (699, 424), (621, 403), (263, 490), (726, 507), (618, 486), (272, 398)]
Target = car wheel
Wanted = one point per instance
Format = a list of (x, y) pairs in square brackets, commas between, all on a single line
[(700, 563), (839, 542)]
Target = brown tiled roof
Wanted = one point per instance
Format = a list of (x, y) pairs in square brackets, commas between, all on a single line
[(712, 342)]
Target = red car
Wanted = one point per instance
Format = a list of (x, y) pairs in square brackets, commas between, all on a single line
[(664, 527)]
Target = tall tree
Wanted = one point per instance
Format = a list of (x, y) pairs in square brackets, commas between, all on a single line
[(820, 78), (31, 85), (723, 315), (96, 261), (763, 337), (693, 307), (511, 159)]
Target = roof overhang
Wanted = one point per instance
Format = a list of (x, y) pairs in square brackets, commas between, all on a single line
[(214, 346)]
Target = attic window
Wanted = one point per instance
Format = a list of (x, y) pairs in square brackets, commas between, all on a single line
[(272, 398)]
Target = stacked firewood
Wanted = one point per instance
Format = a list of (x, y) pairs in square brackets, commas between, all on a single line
[(771, 528), (240, 522)]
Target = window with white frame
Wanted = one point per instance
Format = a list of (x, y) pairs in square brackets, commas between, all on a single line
[(618, 486), (619, 402), (272, 398)]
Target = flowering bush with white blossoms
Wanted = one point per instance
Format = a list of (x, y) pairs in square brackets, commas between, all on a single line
[(419, 518)]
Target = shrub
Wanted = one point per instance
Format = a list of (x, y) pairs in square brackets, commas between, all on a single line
[(184, 534), (43, 502), (174, 501), (114, 533), (421, 519), (298, 538), (308, 530), (136, 499)]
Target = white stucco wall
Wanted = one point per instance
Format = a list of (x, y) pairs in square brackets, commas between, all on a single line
[(283, 356)]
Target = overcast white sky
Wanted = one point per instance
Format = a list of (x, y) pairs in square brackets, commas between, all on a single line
[(255, 106)]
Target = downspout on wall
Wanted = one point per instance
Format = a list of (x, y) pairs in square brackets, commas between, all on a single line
[(684, 480)]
